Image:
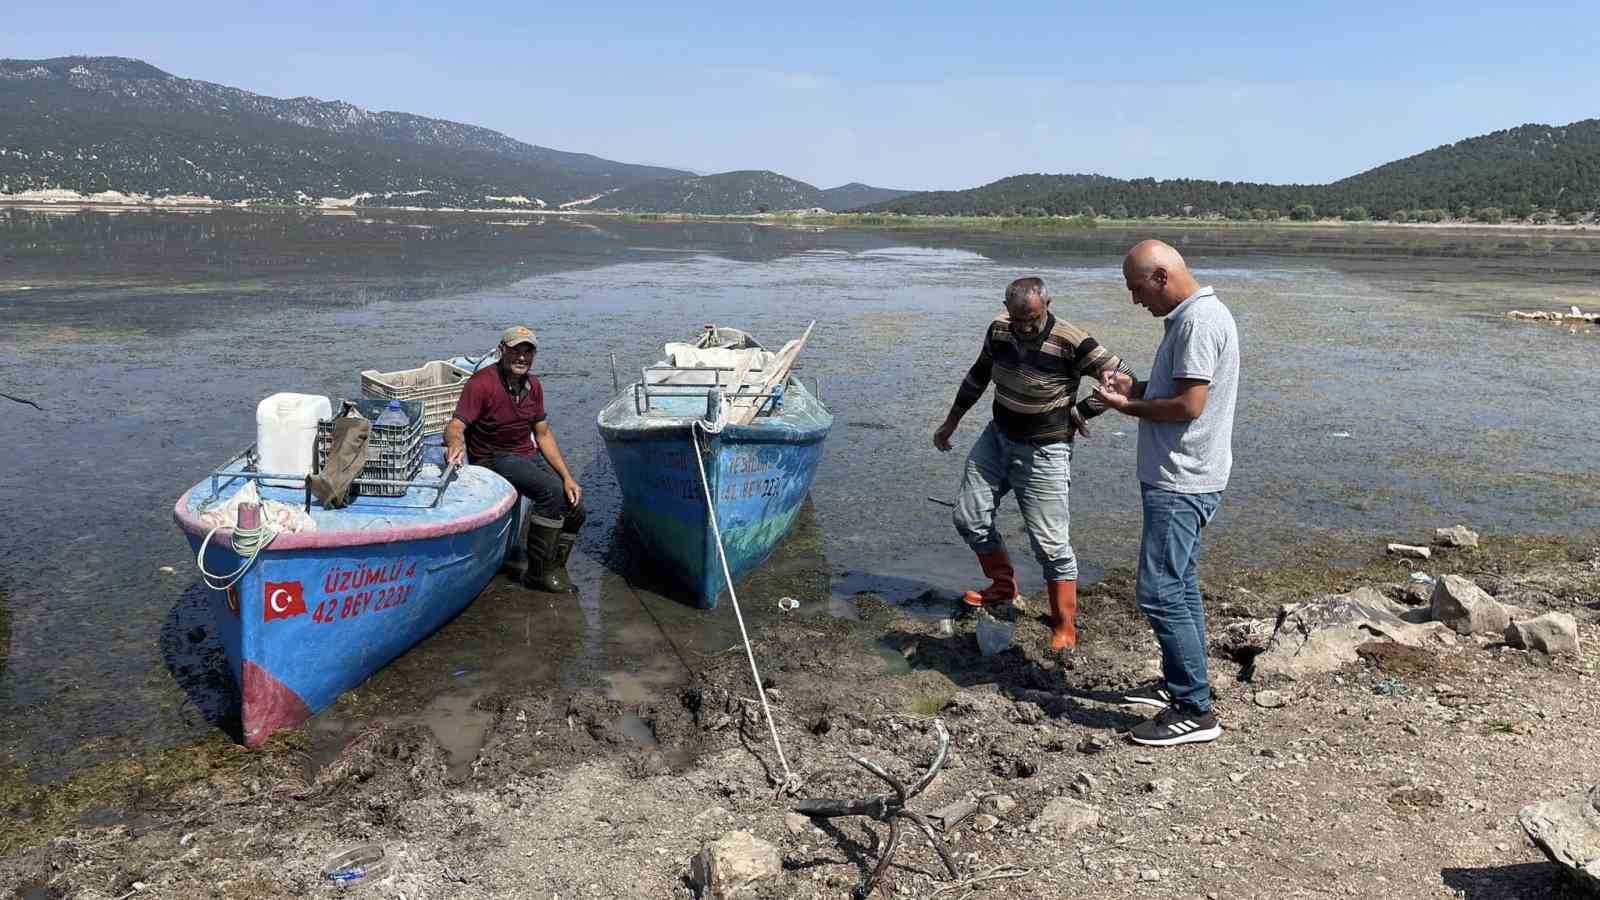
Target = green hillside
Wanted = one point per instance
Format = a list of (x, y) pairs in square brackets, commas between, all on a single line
[(1532, 171), (856, 195), (103, 123), (726, 193)]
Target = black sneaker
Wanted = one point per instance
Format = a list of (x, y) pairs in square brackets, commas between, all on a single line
[(1154, 694), (1176, 725)]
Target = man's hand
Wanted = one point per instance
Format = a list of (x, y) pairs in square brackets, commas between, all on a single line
[(456, 454), (574, 492), (941, 438), (1116, 382), (1117, 401)]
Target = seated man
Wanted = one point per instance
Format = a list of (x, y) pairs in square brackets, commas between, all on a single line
[(497, 423)]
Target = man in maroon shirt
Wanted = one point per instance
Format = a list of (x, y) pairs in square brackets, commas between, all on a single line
[(500, 424)]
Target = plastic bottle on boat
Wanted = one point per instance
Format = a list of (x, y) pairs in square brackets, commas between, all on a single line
[(393, 417)]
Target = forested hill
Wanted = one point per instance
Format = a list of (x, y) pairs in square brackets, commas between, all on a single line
[(728, 192), (106, 123), (855, 194), (1533, 171)]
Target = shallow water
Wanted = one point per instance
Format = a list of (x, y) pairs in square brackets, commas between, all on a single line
[(1382, 395)]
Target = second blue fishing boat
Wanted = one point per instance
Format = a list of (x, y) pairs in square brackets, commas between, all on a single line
[(721, 417)]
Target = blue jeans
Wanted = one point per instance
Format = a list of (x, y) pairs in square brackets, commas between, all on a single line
[(1169, 588), (1040, 477)]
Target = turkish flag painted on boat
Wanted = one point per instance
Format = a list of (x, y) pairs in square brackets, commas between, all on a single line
[(282, 600)]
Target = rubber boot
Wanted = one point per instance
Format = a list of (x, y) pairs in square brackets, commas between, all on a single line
[(516, 561), (515, 564), (558, 562), (1063, 615), (543, 573), (1002, 587)]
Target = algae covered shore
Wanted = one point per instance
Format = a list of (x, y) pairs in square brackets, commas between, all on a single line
[(1400, 773)]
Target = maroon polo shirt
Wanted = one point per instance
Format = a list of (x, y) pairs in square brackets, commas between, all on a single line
[(498, 423)]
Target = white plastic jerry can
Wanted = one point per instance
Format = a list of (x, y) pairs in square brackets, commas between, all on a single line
[(286, 435)]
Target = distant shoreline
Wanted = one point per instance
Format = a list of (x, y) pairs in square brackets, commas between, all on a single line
[(799, 218)]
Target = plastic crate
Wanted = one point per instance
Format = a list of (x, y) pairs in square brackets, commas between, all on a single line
[(436, 385), (394, 453)]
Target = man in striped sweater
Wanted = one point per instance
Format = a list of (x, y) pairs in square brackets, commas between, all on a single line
[(1035, 361)]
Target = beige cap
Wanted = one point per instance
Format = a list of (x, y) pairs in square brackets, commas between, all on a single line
[(519, 334)]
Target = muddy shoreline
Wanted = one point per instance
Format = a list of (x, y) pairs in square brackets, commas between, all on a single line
[(1401, 774)]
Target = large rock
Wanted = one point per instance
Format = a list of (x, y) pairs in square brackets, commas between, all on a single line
[(1068, 816), (1553, 633), (1322, 635), (1460, 536), (730, 865), (1466, 608), (1568, 831)]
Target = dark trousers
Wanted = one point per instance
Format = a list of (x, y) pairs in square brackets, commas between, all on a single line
[(533, 478)]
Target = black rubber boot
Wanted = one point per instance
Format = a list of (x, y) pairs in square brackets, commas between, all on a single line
[(558, 562), (544, 573), (516, 561)]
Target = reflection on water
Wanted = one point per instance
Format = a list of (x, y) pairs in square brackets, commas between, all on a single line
[(1382, 395)]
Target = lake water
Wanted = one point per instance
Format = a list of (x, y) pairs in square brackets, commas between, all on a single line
[(1383, 394)]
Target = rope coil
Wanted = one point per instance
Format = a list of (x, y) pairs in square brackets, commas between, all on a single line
[(247, 542), (791, 781)]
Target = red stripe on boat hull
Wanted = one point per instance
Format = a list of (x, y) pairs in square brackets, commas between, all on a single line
[(268, 705)]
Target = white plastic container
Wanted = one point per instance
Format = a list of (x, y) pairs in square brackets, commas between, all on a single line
[(286, 434)]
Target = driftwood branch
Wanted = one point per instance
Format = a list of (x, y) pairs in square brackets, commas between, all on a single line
[(891, 809)]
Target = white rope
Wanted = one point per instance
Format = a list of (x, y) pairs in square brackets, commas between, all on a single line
[(791, 782), (247, 542)]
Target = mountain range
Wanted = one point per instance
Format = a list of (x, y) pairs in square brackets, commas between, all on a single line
[(93, 124), (86, 125), (1531, 171)]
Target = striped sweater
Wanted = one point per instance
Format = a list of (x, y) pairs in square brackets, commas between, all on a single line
[(1036, 382)]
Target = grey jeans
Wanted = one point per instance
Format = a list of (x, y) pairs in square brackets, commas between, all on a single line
[(1040, 477)]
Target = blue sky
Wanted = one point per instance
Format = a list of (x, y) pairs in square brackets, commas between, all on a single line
[(930, 95)]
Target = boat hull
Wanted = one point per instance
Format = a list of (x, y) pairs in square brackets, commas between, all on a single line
[(758, 476), (317, 614)]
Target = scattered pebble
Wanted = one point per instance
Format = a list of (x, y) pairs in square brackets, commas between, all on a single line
[(1094, 743), (167, 570), (1150, 875), (983, 822), (999, 804), (1236, 777), (1145, 760), (1271, 699)]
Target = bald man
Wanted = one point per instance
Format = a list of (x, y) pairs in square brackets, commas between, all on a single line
[(1185, 414)]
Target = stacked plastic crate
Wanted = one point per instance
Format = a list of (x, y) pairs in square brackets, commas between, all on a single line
[(394, 452)]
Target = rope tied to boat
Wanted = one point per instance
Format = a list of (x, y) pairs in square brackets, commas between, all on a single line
[(791, 781), (248, 542)]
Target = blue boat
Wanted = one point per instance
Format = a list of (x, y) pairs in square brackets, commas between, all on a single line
[(736, 426), (320, 610)]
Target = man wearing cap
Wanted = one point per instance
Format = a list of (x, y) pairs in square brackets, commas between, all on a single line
[(1035, 361), (500, 424)]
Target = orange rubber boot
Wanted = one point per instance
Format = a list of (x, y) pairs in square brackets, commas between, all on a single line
[(1002, 582), (1063, 615)]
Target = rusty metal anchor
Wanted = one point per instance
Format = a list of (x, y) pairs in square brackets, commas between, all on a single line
[(889, 808)]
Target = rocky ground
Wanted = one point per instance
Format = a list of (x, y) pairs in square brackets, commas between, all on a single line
[(1401, 773)]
